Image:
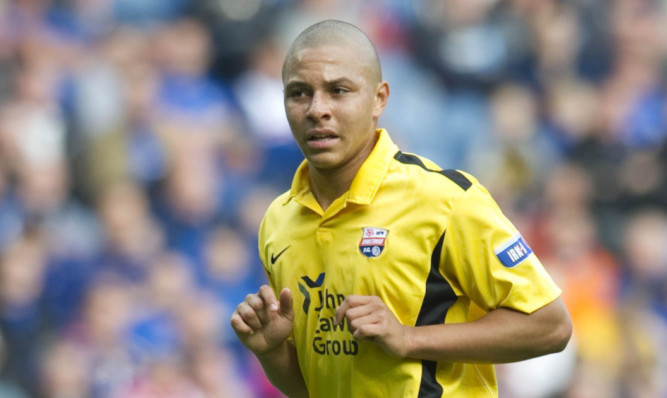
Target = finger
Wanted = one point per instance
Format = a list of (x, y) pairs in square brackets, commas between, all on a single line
[(269, 297), (356, 299), (239, 326), (359, 311), (286, 303), (349, 302), (340, 312), (259, 306), (249, 315), (367, 331), (361, 321), (264, 303)]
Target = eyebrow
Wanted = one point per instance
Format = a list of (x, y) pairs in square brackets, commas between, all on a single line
[(340, 80), (295, 84), (330, 83)]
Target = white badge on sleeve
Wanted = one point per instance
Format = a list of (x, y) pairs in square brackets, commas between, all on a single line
[(513, 252)]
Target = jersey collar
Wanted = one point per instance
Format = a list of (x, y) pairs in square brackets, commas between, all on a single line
[(364, 185)]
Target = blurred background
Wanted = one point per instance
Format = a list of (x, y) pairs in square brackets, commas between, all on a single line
[(142, 140)]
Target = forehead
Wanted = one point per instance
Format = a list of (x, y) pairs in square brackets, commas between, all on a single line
[(329, 62)]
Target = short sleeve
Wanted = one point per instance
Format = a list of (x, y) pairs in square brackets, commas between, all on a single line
[(486, 258), (262, 248)]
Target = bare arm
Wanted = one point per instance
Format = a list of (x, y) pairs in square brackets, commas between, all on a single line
[(502, 335), (263, 324), (282, 369)]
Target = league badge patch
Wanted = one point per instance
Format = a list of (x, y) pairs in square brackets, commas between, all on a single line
[(514, 251), (373, 241)]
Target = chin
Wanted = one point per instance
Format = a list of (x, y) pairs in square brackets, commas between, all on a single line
[(323, 162)]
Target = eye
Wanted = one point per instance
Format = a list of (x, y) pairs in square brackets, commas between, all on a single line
[(339, 90), (295, 93)]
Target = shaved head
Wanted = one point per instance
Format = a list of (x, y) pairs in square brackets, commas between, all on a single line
[(337, 33)]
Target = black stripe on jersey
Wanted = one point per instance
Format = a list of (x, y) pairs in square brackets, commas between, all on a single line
[(458, 178), (439, 296)]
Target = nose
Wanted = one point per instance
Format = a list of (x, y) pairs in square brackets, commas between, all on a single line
[(319, 107)]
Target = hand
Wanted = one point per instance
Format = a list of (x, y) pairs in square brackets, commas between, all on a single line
[(263, 323), (370, 319)]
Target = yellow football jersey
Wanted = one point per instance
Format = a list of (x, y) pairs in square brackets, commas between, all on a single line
[(431, 243)]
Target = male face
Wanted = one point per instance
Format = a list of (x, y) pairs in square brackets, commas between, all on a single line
[(333, 98)]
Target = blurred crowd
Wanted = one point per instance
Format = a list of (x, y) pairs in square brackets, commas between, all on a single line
[(142, 140)]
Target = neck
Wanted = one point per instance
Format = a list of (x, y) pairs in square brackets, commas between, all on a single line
[(329, 184)]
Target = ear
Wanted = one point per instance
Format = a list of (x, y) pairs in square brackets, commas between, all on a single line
[(381, 97)]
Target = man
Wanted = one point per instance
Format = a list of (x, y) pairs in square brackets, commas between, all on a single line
[(389, 277)]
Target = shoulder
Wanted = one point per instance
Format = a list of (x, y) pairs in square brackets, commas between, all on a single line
[(422, 172), (274, 217), (276, 209)]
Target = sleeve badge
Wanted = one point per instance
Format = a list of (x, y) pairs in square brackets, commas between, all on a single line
[(513, 251)]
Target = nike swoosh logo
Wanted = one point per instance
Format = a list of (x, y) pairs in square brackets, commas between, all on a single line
[(274, 258)]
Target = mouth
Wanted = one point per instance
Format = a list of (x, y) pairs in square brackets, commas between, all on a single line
[(321, 138)]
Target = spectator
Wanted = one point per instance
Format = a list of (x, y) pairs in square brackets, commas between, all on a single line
[(22, 320), (102, 336), (133, 238), (259, 91), (8, 388), (65, 372), (216, 373)]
